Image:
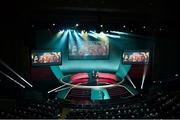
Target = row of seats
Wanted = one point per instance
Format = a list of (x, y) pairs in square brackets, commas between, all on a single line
[(46, 110), (162, 106)]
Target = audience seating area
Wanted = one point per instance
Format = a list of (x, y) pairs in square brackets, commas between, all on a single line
[(162, 105), (45, 110), (159, 105)]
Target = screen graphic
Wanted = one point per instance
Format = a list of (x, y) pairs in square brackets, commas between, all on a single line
[(135, 57), (89, 49), (46, 58)]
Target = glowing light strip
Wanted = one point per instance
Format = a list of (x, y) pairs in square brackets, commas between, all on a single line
[(12, 79), (144, 76), (94, 32), (130, 34), (126, 89), (15, 73), (93, 35), (68, 92), (120, 33), (90, 87), (130, 81), (86, 87), (56, 88), (63, 89), (113, 36)]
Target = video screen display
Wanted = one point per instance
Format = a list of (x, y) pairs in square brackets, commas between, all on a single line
[(88, 49), (39, 57), (136, 57)]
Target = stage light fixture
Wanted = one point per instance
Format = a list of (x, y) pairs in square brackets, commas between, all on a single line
[(101, 26), (60, 33), (83, 34), (77, 25), (176, 75)]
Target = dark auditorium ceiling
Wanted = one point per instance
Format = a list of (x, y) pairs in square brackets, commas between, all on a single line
[(89, 10)]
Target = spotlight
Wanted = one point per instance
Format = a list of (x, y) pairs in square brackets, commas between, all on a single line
[(124, 26), (82, 32), (53, 24), (176, 75), (77, 25), (144, 27), (101, 25)]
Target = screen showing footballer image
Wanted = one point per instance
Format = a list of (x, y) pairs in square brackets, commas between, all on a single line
[(89, 49), (46, 57), (135, 57)]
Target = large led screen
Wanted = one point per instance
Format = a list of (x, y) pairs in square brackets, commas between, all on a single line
[(42, 57), (89, 49), (136, 57)]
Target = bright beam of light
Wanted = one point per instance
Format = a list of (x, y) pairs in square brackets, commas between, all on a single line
[(126, 89), (63, 39), (93, 35), (4, 64), (56, 88), (130, 81), (12, 79), (78, 38), (60, 33), (102, 36), (71, 40), (63, 88), (129, 34), (124, 73), (144, 76), (84, 35), (113, 36), (120, 33)]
